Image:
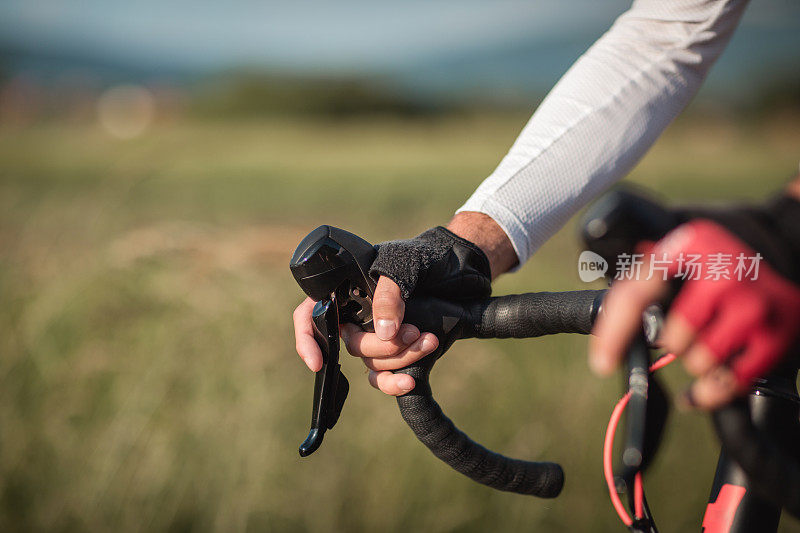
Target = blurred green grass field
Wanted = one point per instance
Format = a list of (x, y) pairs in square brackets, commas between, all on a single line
[(148, 380)]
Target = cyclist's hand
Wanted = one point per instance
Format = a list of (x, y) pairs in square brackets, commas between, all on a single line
[(394, 345), (454, 263), (728, 331), (457, 263), (435, 263)]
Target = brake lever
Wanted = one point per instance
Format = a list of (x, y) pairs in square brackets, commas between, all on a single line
[(638, 363), (330, 385), (332, 267)]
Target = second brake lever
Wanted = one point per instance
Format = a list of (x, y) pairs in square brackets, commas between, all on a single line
[(613, 227), (638, 363)]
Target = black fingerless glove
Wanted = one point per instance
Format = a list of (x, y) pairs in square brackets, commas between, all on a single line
[(435, 263), (772, 230)]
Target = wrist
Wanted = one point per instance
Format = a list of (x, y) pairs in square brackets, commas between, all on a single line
[(486, 234)]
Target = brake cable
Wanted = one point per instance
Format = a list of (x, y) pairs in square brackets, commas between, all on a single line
[(608, 447)]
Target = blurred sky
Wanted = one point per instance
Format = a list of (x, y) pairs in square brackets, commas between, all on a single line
[(310, 33), (456, 40)]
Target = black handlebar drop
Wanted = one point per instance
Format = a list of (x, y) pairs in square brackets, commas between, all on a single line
[(519, 316), (436, 431)]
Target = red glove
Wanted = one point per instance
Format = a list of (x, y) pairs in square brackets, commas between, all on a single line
[(744, 312)]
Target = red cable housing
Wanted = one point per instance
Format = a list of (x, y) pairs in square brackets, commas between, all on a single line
[(608, 449)]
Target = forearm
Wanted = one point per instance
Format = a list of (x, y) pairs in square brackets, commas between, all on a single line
[(603, 115)]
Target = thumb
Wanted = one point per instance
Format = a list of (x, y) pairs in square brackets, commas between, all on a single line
[(387, 308)]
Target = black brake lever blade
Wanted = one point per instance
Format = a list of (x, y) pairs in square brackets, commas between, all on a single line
[(657, 415), (330, 385), (633, 453)]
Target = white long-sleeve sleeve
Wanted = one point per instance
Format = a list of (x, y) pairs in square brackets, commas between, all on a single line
[(604, 114)]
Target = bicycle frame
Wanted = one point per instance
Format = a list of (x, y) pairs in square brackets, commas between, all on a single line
[(732, 506)]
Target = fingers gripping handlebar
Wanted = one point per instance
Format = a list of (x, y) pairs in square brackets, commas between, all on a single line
[(331, 266)]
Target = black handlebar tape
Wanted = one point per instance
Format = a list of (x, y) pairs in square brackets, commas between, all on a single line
[(525, 315), (770, 469), (426, 419), (539, 313)]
